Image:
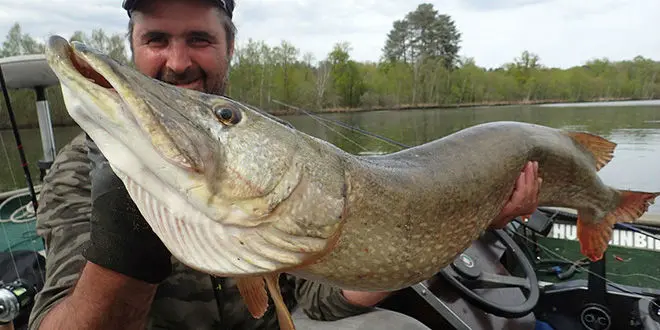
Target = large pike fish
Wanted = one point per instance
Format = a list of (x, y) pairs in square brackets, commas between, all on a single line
[(235, 192)]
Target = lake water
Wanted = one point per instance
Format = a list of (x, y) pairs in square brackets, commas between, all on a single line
[(634, 126)]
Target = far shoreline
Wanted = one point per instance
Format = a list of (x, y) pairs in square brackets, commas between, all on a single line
[(288, 112), (404, 107)]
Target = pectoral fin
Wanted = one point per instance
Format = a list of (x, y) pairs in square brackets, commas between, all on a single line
[(283, 314), (254, 294)]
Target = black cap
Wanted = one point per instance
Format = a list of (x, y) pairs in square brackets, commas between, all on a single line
[(226, 5)]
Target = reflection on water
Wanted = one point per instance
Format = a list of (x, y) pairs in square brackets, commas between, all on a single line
[(636, 130), (11, 173), (606, 104)]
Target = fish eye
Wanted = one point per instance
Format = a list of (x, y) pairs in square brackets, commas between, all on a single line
[(227, 116)]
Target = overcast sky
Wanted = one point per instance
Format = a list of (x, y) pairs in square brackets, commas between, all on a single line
[(563, 33)]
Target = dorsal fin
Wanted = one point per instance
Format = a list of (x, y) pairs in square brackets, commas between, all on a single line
[(600, 148)]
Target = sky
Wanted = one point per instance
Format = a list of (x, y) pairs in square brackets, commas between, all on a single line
[(563, 33)]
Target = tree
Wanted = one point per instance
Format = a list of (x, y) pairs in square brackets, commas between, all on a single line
[(397, 45), (285, 56), (523, 68), (345, 74), (17, 43), (412, 72), (112, 45), (423, 34), (321, 83)]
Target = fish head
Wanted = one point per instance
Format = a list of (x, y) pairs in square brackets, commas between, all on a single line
[(206, 171)]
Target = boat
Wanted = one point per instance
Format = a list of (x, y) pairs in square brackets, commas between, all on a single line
[(528, 275), (17, 208), (22, 252)]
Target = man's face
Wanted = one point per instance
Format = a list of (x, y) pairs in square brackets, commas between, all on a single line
[(182, 43)]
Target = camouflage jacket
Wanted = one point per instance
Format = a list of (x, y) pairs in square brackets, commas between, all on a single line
[(186, 299)]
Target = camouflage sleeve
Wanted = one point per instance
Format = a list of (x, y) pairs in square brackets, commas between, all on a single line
[(324, 302), (63, 221)]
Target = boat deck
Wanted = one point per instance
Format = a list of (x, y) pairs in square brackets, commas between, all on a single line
[(627, 266), (18, 236)]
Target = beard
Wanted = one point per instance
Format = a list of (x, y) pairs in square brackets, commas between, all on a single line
[(216, 85)]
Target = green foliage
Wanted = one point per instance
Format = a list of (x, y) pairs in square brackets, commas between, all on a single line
[(18, 43), (345, 76), (23, 101), (112, 45), (422, 35), (262, 73)]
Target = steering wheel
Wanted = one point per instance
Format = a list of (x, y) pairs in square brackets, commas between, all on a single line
[(465, 274)]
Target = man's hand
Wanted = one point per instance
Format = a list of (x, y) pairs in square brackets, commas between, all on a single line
[(120, 238), (525, 197)]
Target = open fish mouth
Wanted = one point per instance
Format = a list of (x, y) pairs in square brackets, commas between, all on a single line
[(109, 86)]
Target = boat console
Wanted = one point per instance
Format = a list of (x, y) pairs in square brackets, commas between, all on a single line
[(493, 285)]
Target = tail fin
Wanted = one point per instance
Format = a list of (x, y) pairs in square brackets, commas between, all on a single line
[(600, 148), (594, 237)]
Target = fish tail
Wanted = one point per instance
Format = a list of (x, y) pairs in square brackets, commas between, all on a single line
[(595, 235), (601, 149)]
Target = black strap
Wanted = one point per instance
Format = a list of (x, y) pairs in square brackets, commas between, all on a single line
[(217, 292)]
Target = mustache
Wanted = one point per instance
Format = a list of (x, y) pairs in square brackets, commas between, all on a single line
[(179, 78)]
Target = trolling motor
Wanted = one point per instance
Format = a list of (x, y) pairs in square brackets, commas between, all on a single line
[(15, 298)]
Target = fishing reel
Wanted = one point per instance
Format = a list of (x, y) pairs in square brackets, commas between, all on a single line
[(15, 298)]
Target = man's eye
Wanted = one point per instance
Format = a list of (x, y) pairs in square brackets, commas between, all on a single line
[(156, 41), (199, 41)]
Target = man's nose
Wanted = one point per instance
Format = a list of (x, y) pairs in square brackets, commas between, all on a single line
[(178, 58)]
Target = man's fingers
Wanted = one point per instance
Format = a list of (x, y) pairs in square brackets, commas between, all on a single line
[(531, 178), (529, 194), (536, 169), (520, 184), (537, 181), (528, 180)]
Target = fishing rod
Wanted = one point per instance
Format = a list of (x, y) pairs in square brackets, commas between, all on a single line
[(637, 230), (19, 144), (342, 124), (15, 295)]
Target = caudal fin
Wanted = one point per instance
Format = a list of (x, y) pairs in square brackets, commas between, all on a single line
[(601, 149), (594, 237)]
